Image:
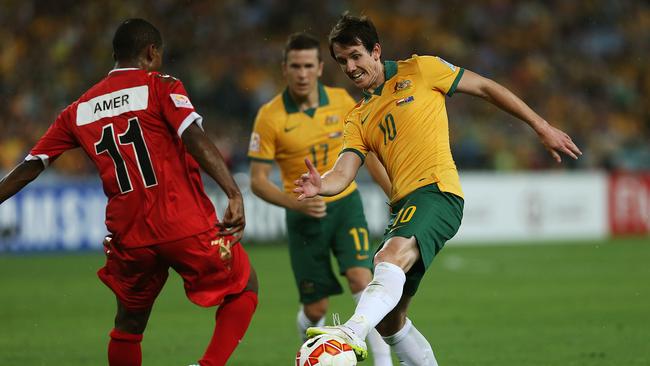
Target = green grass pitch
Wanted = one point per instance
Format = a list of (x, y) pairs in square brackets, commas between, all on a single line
[(561, 304)]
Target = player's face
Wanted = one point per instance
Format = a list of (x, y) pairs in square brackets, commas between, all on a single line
[(302, 70), (362, 67)]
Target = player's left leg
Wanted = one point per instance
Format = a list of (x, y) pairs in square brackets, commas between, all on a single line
[(358, 278), (232, 320), (354, 255), (410, 346)]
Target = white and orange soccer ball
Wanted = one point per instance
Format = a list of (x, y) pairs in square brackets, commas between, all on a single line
[(326, 350)]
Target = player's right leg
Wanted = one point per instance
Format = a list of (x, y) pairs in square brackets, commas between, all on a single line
[(136, 277), (124, 346)]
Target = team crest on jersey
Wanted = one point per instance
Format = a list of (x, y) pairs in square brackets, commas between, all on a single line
[(403, 101), (181, 101), (254, 145), (402, 85), (331, 120)]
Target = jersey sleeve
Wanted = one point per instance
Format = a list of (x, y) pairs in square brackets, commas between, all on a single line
[(58, 139), (175, 104), (352, 140), (439, 74), (262, 143)]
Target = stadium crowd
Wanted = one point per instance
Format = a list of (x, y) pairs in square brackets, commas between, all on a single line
[(581, 64)]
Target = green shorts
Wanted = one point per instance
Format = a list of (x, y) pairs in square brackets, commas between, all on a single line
[(430, 215), (343, 232)]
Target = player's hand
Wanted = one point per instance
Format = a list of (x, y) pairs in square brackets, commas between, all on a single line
[(309, 184), (314, 207), (556, 142), (233, 222)]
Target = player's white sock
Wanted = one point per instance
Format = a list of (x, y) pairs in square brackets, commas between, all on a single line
[(380, 349), (411, 348), (378, 299), (303, 322)]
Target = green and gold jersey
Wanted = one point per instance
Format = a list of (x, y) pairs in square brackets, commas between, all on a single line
[(287, 135), (405, 123)]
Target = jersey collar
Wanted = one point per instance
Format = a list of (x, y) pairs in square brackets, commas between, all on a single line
[(390, 70), (290, 105), (123, 69)]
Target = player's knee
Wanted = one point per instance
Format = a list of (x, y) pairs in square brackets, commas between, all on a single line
[(131, 324), (384, 256), (315, 311), (358, 278)]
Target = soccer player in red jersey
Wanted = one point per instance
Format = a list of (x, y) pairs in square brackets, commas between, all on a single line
[(141, 131)]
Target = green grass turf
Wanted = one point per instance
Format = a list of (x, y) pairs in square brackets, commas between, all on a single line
[(561, 304)]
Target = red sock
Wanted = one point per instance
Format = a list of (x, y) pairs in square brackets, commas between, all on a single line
[(124, 349), (232, 320)]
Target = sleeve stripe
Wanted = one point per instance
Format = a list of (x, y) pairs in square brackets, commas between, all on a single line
[(261, 160), (44, 158), (191, 118), (359, 153), (452, 90)]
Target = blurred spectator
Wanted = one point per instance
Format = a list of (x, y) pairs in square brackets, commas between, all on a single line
[(581, 64)]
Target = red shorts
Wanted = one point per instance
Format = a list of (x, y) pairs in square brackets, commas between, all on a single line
[(211, 267)]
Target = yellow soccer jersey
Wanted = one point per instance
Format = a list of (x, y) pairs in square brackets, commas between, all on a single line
[(287, 135), (405, 123)]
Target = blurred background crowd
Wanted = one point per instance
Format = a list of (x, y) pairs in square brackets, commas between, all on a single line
[(582, 64)]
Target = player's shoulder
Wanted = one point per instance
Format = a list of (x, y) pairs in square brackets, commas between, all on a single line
[(162, 77), (273, 108), (413, 63)]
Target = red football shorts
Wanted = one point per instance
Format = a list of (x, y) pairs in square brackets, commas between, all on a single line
[(211, 267)]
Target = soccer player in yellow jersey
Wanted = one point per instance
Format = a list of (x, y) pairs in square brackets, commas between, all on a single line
[(307, 120), (402, 118)]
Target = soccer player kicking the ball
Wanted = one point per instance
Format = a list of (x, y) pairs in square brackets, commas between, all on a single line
[(140, 129), (403, 120), (307, 120)]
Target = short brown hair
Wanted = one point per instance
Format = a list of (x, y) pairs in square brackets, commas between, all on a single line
[(301, 41), (351, 31)]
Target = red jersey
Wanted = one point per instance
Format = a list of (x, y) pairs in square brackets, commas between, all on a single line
[(130, 125)]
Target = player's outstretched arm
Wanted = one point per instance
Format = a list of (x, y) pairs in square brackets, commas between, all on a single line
[(332, 182), (19, 177), (210, 159), (553, 139), (265, 189)]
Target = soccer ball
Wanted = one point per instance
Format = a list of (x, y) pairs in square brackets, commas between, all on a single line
[(326, 350)]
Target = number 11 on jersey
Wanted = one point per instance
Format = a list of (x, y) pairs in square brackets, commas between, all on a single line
[(132, 136)]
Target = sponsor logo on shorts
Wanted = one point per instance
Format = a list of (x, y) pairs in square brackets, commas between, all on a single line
[(225, 252), (307, 287)]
